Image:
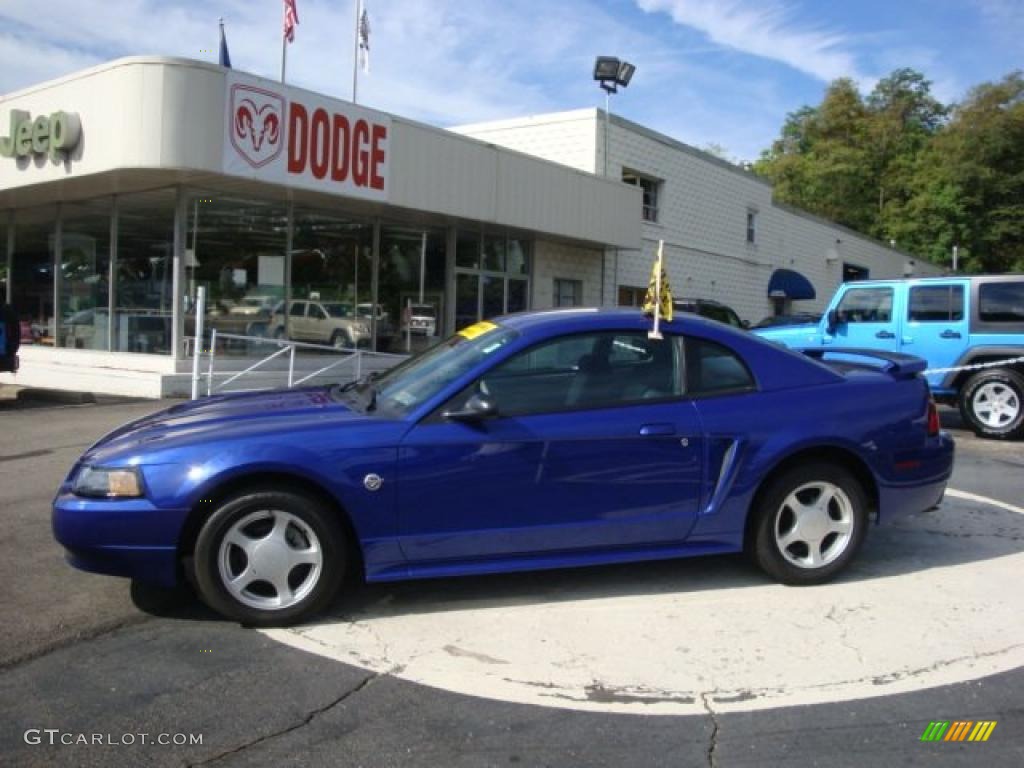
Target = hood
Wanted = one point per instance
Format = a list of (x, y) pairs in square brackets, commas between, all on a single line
[(214, 418)]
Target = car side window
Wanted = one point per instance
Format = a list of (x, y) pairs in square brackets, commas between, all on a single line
[(597, 370), (936, 304), (317, 312), (866, 305), (298, 309), (712, 368), (1001, 302)]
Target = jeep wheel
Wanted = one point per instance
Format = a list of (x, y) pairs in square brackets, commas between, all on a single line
[(992, 403)]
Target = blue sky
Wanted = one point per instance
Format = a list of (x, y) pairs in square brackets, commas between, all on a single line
[(721, 72)]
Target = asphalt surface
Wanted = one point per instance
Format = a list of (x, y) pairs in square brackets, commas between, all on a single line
[(96, 658)]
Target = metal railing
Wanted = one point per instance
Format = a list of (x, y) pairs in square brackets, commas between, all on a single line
[(353, 361)]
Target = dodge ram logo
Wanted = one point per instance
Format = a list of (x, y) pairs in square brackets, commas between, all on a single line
[(257, 124)]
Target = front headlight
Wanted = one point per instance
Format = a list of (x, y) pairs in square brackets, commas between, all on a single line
[(100, 482)]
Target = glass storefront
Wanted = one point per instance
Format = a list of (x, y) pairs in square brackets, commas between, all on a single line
[(331, 281), (411, 288), (143, 284), (32, 271), (113, 280), (84, 288), (235, 250), (491, 276)]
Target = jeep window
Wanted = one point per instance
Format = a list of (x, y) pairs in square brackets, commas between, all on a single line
[(936, 304), (298, 309), (866, 305), (1001, 302)]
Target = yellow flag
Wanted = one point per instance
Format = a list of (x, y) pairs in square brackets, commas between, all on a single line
[(658, 290)]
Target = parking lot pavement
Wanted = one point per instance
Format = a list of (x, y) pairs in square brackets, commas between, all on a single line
[(46, 603), (656, 664)]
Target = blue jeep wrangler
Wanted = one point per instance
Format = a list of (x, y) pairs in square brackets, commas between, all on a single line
[(952, 322)]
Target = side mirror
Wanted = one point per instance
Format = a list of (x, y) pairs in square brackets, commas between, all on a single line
[(831, 321), (477, 408), (745, 324)]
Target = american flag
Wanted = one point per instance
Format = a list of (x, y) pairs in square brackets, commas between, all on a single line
[(291, 19), (364, 40)]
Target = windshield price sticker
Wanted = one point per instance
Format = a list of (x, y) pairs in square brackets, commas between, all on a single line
[(477, 329)]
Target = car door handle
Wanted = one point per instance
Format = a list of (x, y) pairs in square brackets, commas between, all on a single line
[(885, 335), (950, 334), (648, 430)]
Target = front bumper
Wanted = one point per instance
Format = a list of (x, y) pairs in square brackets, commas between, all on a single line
[(127, 537)]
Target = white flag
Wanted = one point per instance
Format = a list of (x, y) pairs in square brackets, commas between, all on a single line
[(364, 39)]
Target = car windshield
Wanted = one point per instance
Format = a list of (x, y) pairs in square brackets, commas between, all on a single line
[(254, 301), (338, 310), (423, 310), (420, 378)]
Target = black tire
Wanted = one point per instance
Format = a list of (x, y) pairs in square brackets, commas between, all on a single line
[(771, 512), (309, 511), (1006, 384)]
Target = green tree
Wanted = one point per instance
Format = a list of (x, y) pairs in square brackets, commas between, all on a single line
[(968, 184)]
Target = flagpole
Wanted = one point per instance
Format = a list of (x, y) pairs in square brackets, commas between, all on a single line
[(656, 332), (355, 55), (284, 53)]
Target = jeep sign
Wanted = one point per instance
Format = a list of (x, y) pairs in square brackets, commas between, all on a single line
[(53, 135)]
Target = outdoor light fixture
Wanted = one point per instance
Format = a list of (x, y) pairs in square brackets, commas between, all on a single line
[(610, 73)]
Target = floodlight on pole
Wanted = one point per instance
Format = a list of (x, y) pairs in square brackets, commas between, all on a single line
[(611, 74)]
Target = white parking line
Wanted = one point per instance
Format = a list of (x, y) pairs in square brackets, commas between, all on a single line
[(922, 607), (984, 500)]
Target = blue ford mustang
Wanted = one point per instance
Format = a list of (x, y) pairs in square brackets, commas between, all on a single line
[(539, 440)]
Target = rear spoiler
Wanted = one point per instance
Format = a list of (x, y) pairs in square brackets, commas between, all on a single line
[(897, 364)]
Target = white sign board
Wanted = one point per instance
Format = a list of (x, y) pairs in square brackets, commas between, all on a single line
[(282, 135)]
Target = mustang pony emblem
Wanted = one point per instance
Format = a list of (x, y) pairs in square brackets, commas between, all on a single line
[(256, 124)]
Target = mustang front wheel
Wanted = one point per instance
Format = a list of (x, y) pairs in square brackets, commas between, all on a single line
[(811, 521), (269, 558)]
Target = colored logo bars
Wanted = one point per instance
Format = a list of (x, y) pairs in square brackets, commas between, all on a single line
[(958, 730)]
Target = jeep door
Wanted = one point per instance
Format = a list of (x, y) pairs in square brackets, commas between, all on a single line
[(867, 318), (936, 326)]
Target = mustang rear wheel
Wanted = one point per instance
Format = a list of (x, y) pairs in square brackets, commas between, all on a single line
[(270, 558), (810, 523), (992, 402)]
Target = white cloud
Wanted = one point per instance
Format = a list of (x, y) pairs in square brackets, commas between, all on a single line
[(765, 29)]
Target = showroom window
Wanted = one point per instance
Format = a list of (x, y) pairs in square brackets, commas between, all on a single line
[(84, 290), (498, 284), (235, 249), (408, 320), (144, 273), (332, 261), (32, 271)]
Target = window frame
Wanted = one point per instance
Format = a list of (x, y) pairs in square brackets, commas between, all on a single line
[(951, 289), (978, 323), (865, 289), (753, 387), (459, 398), (751, 234), (556, 292), (650, 187)]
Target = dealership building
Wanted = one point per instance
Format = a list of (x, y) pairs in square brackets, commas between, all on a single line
[(126, 187)]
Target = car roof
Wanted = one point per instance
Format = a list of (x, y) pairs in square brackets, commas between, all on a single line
[(934, 279), (541, 322)]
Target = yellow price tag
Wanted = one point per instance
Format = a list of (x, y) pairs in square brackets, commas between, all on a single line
[(477, 329)]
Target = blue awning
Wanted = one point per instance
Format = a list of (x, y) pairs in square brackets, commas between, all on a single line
[(789, 284)]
